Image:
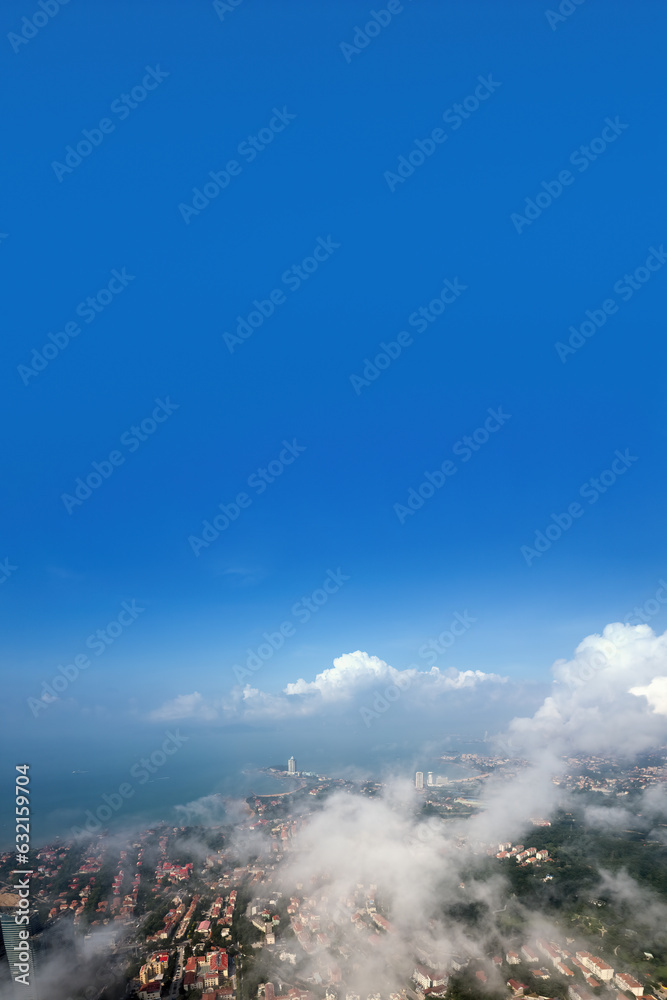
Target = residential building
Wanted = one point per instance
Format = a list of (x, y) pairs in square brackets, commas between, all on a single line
[(626, 982), (596, 966)]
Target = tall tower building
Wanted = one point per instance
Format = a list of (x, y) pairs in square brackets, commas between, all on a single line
[(16, 951), (429, 778), (419, 779), (291, 766)]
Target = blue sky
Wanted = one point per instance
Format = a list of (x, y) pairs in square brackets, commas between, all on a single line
[(323, 176)]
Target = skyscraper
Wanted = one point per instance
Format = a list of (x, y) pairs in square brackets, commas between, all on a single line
[(419, 779), (429, 778), (291, 766), (16, 949)]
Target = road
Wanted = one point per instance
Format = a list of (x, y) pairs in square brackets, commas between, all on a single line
[(178, 974)]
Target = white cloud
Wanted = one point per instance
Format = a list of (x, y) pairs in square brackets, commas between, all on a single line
[(608, 696), (354, 671), (595, 706), (185, 706), (353, 676), (412, 866), (206, 811), (608, 817), (611, 696), (655, 694), (348, 672)]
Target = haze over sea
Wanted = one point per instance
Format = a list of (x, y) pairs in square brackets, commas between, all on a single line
[(69, 781)]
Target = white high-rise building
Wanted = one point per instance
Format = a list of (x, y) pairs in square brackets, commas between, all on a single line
[(419, 779), (429, 778), (291, 766)]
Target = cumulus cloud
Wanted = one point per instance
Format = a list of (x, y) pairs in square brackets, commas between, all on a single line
[(611, 696), (596, 706), (348, 671), (352, 677), (655, 694), (354, 671)]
